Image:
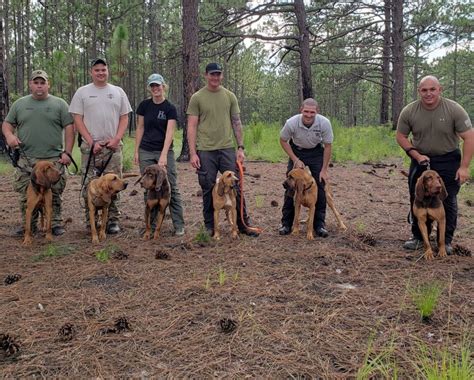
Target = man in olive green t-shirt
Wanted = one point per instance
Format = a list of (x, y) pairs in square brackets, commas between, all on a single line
[(436, 125), (36, 124), (213, 123)]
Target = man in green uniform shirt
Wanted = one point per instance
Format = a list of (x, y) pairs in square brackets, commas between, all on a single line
[(436, 125), (41, 125)]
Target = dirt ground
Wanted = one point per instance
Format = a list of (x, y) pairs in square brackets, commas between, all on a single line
[(267, 307)]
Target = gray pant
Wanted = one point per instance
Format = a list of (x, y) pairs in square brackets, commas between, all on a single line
[(212, 162), (147, 158)]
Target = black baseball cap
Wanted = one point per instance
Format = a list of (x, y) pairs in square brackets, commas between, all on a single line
[(96, 61), (213, 68)]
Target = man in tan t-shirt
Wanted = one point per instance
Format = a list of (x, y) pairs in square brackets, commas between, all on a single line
[(213, 124), (436, 124)]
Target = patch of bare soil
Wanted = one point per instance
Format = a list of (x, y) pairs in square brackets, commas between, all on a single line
[(267, 307)]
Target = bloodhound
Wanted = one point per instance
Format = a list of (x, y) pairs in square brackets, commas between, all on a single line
[(39, 196), (428, 205), (302, 186), (155, 181), (100, 193), (224, 197)]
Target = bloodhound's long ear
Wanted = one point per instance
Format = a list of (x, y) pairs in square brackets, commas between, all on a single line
[(300, 186), (420, 188), (220, 187), (443, 194), (160, 177), (39, 177), (139, 179), (105, 190)]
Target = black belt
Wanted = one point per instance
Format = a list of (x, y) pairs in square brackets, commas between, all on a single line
[(319, 146)]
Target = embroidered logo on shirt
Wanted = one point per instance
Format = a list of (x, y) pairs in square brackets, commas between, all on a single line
[(110, 96), (161, 115)]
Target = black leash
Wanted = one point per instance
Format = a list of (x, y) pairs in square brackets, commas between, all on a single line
[(98, 173), (72, 161)]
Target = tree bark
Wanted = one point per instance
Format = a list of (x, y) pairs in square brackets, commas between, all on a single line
[(398, 59), (190, 65), (304, 50), (385, 90)]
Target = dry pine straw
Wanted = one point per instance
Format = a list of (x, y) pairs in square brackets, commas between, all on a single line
[(301, 309)]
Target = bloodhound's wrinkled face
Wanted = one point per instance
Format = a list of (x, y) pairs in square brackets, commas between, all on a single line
[(45, 174), (430, 184), (296, 179), (112, 183), (226, 181), (153, 177)]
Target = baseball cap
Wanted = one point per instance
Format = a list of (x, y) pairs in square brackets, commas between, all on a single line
[(213, 68), (155, 78), (96, 61), (39, 74)]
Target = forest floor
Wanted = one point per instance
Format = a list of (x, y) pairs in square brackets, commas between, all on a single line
[(267, 307)]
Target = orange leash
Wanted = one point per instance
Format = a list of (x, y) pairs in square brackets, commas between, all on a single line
[(241, 172)]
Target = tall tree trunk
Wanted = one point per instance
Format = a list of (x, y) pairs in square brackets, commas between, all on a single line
[(190, 64), (455, 66), (46, 29), (20, 53), (398, 59), (385, 91), (154, 31), (3, 84), (304, 50), (416, 67)]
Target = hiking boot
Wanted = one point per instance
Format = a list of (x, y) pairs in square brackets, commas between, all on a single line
[(249, 232), (113, 228), (20, 231), (413, 244), (179, 231), (449, 249), (322, 232), (284, 230), (58, 230)]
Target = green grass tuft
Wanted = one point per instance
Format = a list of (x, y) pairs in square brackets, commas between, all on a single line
[(443, 364), (426, 297), (53, 250), (202, 236)]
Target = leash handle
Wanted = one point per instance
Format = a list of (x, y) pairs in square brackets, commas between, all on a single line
[(241, 185)]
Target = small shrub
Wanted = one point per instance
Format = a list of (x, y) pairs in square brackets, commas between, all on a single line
[(202, 237), (106, 253), (259, 199), (53, 250), (426, 297), (443, 364)]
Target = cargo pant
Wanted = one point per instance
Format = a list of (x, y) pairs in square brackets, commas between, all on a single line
[(96, 165), (22, 179)]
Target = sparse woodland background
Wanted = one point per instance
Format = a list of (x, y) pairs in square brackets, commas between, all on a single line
[(360, 59)]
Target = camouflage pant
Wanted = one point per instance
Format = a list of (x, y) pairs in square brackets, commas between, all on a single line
[(22, 180), (96, 165)]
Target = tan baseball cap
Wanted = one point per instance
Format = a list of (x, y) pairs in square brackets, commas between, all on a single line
[(39, 74)]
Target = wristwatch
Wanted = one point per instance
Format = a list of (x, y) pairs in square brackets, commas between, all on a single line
[(241, 147)]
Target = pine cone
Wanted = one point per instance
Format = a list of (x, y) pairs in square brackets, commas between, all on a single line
[(67, 332), (368, 239), (227, 325), (461, 251), (107, 330), (121, 324), (120, 255), (160, 255), (8, 345), (11, 278)]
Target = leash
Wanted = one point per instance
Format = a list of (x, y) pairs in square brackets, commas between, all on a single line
[(98, 173), (72, 161), (241, 185)]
